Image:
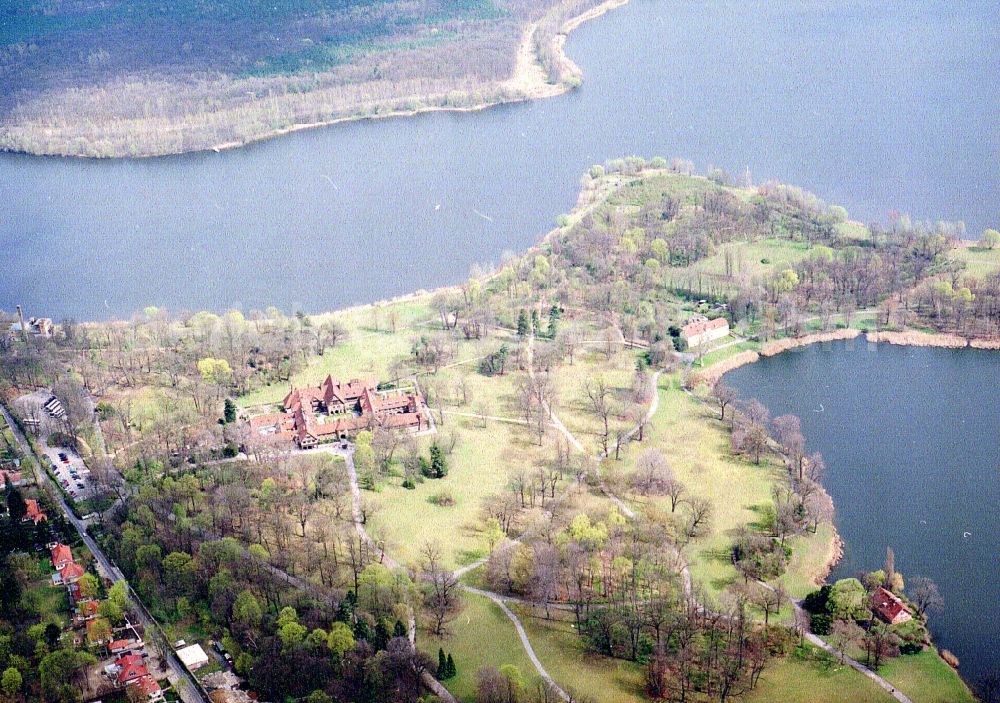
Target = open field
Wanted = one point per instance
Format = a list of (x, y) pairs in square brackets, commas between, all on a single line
[(479, 622), (558, 647), (979, 261), (926, 678), (817, 678), (481, 465)]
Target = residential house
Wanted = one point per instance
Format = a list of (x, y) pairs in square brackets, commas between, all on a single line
[(700, 330), (70, 574), (86, 610), (130, 670), (34, 513), (62, 555), (35, 326), (13, 476), (334, 410), (889, 607)]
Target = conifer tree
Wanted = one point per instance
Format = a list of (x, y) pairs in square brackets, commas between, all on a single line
[(452, 671), (522, 323), (442, 672)]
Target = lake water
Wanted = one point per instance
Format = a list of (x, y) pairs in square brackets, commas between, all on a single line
[(911, 438), (872, 105)]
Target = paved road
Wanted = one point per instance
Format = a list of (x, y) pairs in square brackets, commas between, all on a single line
[(186, 685)]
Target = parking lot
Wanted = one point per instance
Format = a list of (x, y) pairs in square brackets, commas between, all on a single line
[(70, 471), (66, 465)]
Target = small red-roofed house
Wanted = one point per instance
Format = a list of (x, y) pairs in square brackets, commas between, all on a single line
[(33, 513), (85, 610), (148, 685), (62, 555), (71, 573), (889, 607)]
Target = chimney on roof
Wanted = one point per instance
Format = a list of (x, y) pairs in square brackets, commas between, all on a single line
[(24, 330)]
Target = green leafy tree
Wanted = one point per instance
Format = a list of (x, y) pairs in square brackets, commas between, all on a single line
[(439, 463), (399, 629), (991, 239), (247, 612), (848, 600), (340, 641), (11, 682)]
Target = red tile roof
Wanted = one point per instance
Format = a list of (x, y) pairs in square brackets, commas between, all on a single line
[(131, 667), (61, 555), (147, 684), (315, 413), (87, 608), (701, 326), (34, 512), (888, 606), (72, 572)]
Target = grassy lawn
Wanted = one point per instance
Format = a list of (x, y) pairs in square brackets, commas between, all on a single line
[(926, 678), (696, 445), (572, 405), (481, 465), (814, 678), (979, 261), (481, 635), (810, 555), (563, 655), (752, 259)]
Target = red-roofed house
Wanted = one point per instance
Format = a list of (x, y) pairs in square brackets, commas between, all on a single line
[(700, 330), (71, 573), (34, 513), (125, 645), (148, 685), (86, 610), (15, 477), (334, 410), (130, 668), (61, 556), (889, 607)]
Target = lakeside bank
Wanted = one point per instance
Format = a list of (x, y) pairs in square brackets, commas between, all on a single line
[(888, 419)]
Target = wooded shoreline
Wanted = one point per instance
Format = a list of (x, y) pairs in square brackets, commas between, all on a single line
[(529, 81)]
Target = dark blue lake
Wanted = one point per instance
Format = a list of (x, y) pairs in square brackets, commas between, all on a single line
[(872, 105), (911, 438)]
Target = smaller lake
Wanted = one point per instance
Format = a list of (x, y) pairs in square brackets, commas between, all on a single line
[(911, 438)]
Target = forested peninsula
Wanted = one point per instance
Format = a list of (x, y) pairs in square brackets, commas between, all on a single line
[(134, 79), (583, 494)]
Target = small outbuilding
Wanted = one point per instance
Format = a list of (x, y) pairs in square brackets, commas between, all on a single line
[(192, 656)]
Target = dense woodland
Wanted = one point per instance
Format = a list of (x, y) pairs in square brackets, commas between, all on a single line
[(128, 78), (213, 540)]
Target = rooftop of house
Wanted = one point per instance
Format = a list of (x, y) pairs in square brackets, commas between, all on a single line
[(34, 513), (130, 667), (700, 324), (72, 571), (61, 554), (887, 604)]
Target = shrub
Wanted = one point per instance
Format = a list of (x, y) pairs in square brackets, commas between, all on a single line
[(820, 623), (443, 499)]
